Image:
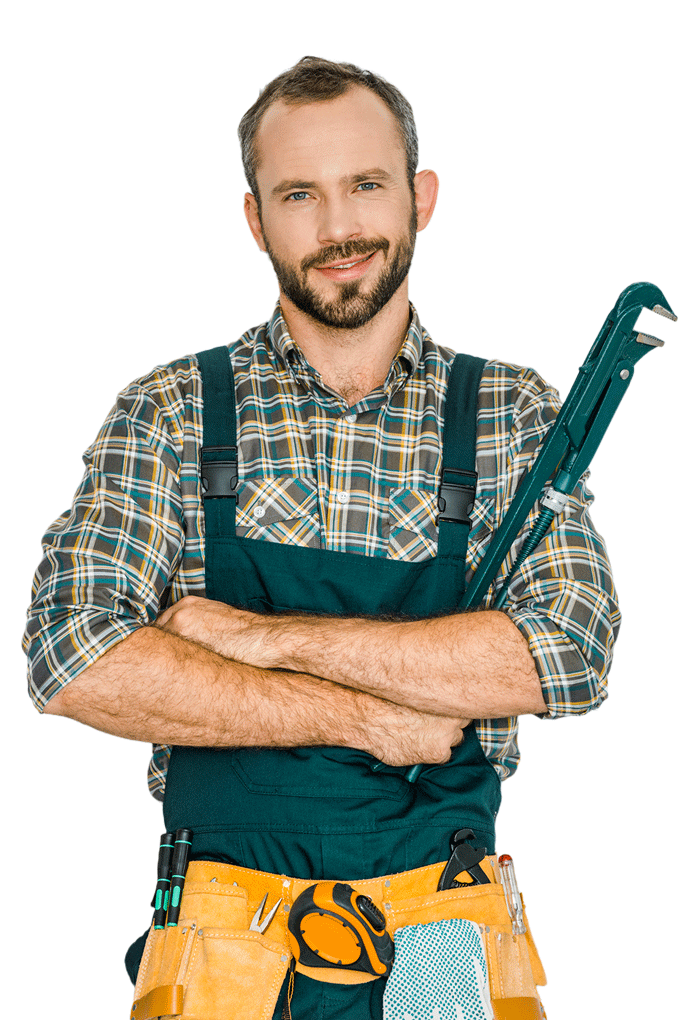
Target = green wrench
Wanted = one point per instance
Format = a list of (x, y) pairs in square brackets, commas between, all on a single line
[(575, 435)]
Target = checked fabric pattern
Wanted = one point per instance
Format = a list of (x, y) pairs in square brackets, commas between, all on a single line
[(315, 472), (439, 973)]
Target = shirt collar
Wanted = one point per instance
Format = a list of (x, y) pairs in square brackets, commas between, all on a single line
[(412, 347), (288, 350)]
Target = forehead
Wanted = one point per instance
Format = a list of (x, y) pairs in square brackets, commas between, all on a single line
[(318, 141)]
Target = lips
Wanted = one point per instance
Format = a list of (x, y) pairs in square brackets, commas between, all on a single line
[(347, 263), (348, 269)]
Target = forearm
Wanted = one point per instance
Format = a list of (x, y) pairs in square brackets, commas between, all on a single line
[(470, 665), (476, 665), (158, 687)]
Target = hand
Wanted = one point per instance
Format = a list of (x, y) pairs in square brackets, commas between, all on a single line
[(399, 735), (232, 633)]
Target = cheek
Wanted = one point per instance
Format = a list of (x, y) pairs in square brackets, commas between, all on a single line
[(293, 237), (388, 219)]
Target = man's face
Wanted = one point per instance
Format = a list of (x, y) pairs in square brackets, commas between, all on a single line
[(337, 212)]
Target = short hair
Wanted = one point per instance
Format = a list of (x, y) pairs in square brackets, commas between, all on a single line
[(315, 80)]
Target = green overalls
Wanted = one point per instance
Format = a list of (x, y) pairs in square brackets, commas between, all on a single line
[(325, 812)]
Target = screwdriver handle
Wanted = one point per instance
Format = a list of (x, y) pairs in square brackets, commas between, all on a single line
[(513, 900), (161, 896), (180, 861)]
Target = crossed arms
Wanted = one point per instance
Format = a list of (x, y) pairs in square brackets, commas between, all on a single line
[(209, 674), (102, 650)]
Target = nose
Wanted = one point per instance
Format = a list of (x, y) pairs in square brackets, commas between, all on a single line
[(338, 220)]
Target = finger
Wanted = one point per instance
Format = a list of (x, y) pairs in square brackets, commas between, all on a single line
[(163, 618), (166, 616)]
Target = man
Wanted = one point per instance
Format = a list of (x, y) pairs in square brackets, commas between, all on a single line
[(281, 629)]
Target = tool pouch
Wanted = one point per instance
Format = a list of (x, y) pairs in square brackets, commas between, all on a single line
[(438, 966), (213, 967), (514, 967)]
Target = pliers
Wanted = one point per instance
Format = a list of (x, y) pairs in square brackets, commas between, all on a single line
[(259, 923), (463, 858)]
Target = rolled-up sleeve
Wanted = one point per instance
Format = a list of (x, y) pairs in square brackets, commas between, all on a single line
[(564, 603), (107, 561), (562, 598)]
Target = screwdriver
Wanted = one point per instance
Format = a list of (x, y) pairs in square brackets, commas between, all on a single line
[(160, 900), (513, 900), (180, 861)]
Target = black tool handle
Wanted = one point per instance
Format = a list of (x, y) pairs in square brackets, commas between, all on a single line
[(180, 861), (161, 896), (463, 858)]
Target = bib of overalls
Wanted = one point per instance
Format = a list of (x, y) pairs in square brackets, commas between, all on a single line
[(327, 812)]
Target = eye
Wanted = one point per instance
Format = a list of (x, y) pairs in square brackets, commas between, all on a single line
[(297, 196), (370, 185)]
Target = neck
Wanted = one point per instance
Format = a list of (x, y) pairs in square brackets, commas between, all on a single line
[(352, 362)]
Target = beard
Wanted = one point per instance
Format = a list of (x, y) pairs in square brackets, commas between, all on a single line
[(352, 307)]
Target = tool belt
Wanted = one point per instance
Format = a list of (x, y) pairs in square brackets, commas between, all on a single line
[(212, 966)]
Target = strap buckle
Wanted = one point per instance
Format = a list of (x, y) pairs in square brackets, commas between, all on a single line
[(219, 472), (456, 499)]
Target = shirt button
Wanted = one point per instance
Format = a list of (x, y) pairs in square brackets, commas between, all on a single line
[(343, 497), (351, 418), (259, 511)]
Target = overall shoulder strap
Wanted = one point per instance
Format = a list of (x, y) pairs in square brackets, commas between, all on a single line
[(459, 479), (219, 454)]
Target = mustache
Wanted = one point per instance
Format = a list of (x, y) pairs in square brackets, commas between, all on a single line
[(336, 253)]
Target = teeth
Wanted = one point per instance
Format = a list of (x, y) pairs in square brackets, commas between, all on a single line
[(349, 265)]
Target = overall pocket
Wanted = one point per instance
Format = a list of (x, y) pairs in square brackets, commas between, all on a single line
[(315, 773)]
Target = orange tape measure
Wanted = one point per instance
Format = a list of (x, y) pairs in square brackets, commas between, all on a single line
[(331, 925)]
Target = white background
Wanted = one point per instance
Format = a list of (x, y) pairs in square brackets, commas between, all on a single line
[(553, 130)]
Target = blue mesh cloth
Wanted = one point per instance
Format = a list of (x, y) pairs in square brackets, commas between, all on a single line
[(439, 973)]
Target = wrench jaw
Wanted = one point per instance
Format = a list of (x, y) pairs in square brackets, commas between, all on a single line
[(649, 341), (666, 312), (653, 341), (627, 309), (643, 295), (661, 309)]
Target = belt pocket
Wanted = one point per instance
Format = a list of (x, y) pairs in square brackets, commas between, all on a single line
[(440, 968), (233, 975), (514, 965), (220, 973), (159, 990)]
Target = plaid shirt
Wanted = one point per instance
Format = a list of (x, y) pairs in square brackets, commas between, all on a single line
[(315, 472)]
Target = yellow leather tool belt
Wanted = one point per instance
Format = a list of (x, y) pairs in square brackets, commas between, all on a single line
[(212, 966)]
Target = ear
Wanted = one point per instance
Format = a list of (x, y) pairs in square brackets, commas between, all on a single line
[(426, 186), (253, 217)]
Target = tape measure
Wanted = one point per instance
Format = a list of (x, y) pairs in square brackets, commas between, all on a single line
[(331, 925)]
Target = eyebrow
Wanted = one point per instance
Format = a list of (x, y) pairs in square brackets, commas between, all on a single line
[(376, 174)]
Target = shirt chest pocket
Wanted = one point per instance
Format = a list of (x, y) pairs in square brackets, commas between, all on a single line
[(279, 509), (413, 525), (483, 518)]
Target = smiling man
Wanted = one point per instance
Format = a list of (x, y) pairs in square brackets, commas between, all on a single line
[(261, 568), (334, 228)]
